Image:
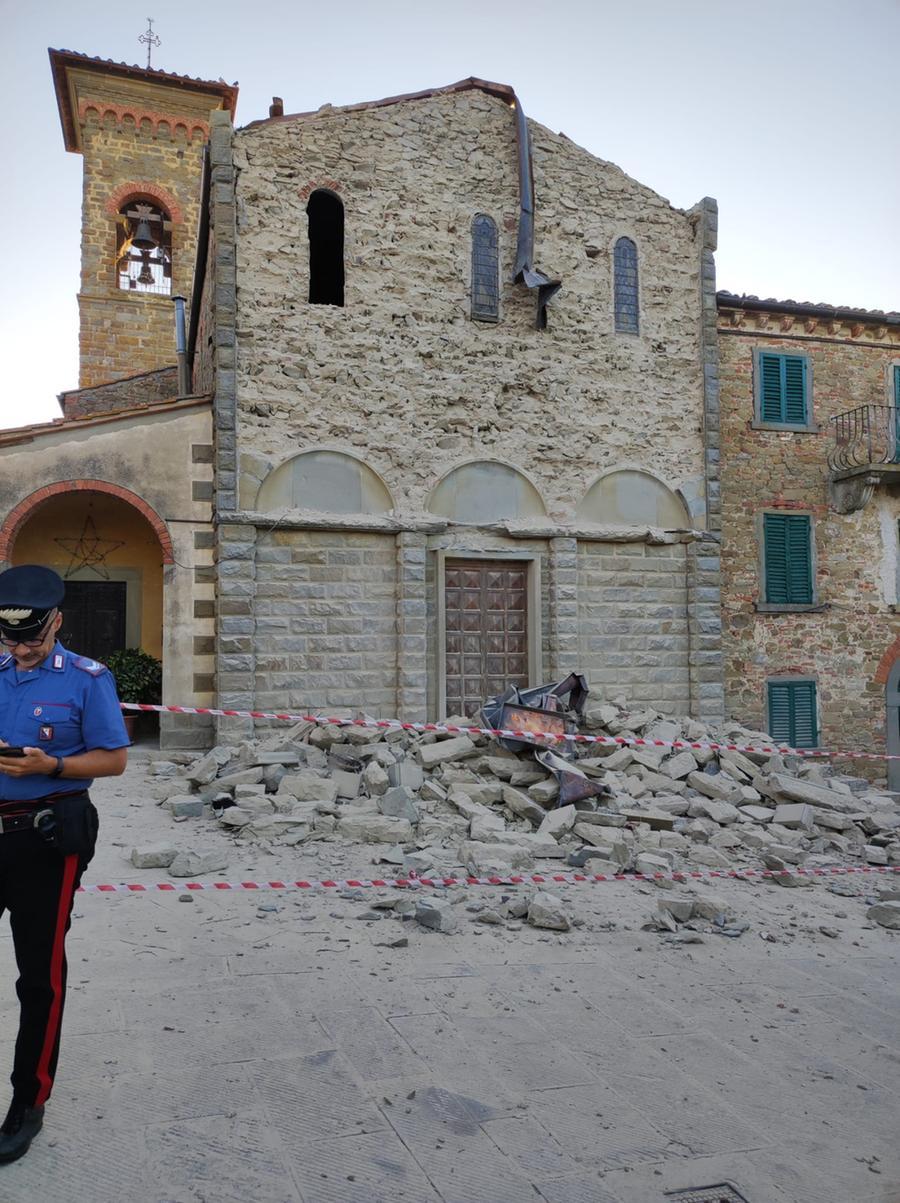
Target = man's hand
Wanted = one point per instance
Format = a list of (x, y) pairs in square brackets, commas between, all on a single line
[(35, 760)]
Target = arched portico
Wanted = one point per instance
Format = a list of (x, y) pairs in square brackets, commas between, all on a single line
[(111, 548)]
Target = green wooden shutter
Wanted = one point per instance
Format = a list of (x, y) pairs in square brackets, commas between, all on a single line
[(776, 561), (770, 388), (783, 388), (792, 713), (794, 389), (897, 413), (805, 734), (780, 712), (787, 556)]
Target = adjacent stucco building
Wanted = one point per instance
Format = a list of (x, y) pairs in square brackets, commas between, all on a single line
[(811, 507), (436, 471)]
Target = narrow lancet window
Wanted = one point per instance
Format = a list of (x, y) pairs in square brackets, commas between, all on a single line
[(326, 248), (625, 287), (485, 270)]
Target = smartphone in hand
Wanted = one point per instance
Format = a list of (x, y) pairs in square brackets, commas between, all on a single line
[(12, 751)]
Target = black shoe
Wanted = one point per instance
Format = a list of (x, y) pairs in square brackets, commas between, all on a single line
[(18, 1130)]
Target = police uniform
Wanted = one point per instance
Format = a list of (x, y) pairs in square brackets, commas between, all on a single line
[(65, 705)]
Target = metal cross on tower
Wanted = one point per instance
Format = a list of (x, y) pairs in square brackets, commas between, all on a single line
[(150, 38)]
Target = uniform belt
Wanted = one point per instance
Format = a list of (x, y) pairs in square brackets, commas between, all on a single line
[(23, 812), (19, 822)]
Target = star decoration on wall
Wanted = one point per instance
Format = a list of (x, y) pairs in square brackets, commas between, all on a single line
[(89, 550)]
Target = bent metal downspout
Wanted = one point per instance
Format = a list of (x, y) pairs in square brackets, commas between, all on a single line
[(525, 272)]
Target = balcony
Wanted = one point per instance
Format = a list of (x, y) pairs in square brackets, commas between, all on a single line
[(865, 454)]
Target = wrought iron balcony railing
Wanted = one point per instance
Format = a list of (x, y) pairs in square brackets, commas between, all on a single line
[(865, 437)]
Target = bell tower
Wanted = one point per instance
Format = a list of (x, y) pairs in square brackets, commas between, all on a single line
[(141, 133)]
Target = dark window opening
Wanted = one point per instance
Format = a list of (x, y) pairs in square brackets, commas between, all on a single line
[(326, 249), (144, 248), (625, 287), (485, 261)]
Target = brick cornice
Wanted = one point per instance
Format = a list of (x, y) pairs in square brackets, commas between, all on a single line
[(140, 188), (20, 514), (188, 126)]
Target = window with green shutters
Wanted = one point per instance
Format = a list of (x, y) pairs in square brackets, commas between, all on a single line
[(787, 559), (783, 389), (792, 713)]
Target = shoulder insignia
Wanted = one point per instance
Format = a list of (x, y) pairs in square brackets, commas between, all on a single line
[(94, 667)]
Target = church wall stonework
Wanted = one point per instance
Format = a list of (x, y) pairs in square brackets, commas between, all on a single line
[(403, 379)]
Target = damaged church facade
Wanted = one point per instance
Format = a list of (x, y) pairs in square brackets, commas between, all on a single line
[(465, 410)]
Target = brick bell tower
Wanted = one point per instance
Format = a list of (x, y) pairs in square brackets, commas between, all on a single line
[(142, 134)]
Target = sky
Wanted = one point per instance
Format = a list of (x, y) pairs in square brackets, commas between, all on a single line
[(783, 110)]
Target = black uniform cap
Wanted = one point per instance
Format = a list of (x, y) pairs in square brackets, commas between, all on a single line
[(28, 594)]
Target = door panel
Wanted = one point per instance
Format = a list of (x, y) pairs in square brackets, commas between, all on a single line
[(94, 618), (486, 603)]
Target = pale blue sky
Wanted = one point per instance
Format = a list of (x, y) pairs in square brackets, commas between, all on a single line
[(784, 110)]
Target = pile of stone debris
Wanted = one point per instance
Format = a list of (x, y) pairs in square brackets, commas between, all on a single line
[(445, 804)]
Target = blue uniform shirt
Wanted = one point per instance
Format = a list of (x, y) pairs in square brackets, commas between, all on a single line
[(66, 705)]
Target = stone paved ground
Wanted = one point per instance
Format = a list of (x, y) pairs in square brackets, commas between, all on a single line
[(217, 1052)]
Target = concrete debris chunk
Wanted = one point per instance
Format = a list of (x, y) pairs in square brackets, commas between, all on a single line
[(546, 910), (153, 856), (195, 864), (437, 915), (885, 914)]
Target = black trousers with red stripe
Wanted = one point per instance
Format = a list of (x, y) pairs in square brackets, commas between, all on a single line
[(37, 887)]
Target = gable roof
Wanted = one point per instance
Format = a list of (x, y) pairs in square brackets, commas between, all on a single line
[(470, 84)]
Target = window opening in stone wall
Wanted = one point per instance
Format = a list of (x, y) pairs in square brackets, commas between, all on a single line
[(792, 713), (144, 248), (625, 287), (787, 552), (326, 248), (485, 270)]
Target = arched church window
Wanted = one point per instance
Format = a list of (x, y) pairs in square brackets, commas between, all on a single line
[(485, 265), (144, 248), (326, 248), (625, 287)]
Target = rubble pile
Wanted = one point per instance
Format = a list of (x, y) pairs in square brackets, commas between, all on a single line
[(445, 804)]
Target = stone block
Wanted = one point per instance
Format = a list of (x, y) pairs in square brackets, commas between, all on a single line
[(185, 806), (153, 856), (366, 828), (545, 910), (307, 787), (445, 750), (794, 815), (556, 823), (523, 806), (398, 804)]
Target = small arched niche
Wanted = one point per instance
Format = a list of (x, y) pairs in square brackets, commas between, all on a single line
[(628, 497), (329, 481), (486, 491)]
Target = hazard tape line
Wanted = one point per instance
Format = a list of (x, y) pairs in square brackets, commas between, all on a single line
[(439, 883), (529, 736)]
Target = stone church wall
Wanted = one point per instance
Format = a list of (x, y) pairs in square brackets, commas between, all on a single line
[(403, 382)]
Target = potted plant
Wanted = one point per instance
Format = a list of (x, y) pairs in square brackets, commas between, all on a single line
[(138, 677)]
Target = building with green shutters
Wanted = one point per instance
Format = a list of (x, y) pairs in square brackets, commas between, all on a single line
[(810, 446)]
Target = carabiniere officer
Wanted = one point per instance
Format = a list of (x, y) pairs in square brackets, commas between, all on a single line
[(62, 725)]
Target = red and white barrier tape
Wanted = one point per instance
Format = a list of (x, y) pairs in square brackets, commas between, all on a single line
[(533, 736), (439, 883)]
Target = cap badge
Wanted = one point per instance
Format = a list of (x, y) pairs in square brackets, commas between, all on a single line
[(38, 711), (14, 617)]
